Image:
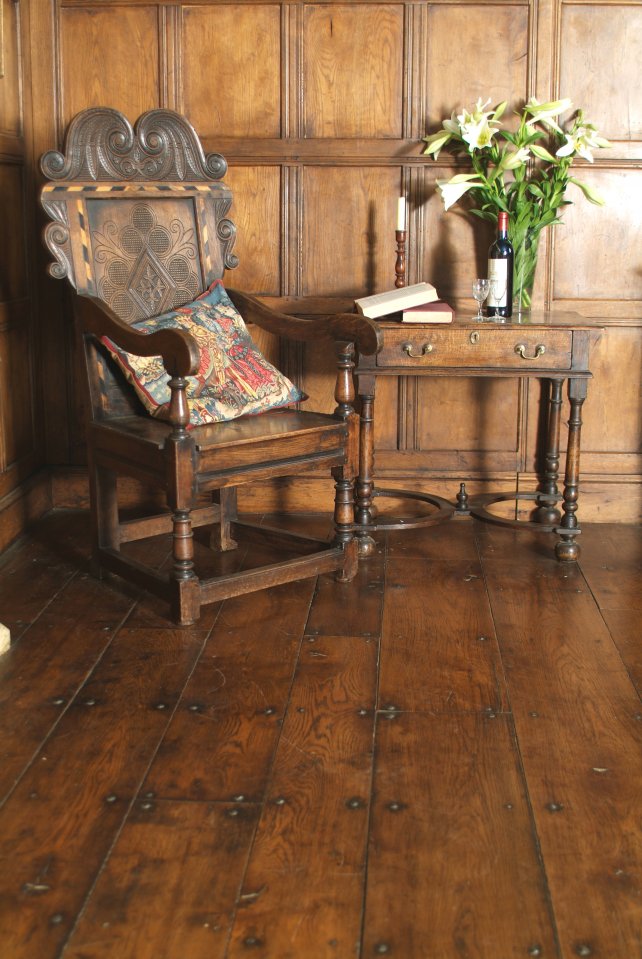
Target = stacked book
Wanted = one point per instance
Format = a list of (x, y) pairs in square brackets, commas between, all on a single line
[(418, 303)]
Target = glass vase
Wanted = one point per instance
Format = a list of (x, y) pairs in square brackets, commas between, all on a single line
[(524, 266)]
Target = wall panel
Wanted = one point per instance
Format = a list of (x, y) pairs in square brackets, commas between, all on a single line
[(491, 423), (594, 246), (352, 69), (597, 69), (10, 101), (256, 212), (16, 395), (13, 240), (348, 217), (110, 56), (231, 69), (475, 50)]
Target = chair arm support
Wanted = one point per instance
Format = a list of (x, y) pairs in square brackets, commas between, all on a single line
[(352, 327), (178, 348)]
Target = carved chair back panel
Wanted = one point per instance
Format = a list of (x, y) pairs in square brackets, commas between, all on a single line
[(143, 251)]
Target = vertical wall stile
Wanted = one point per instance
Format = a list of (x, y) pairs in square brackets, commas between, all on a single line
[(172, 58), (418, 25)]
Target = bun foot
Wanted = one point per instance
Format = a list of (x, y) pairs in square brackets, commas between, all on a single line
[(547, 516), (567, 551), (367, 546)]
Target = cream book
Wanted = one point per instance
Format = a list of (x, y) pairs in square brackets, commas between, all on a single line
[(394, 301), (436, 312)]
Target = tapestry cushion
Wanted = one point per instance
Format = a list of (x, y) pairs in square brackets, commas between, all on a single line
[(234, 378)]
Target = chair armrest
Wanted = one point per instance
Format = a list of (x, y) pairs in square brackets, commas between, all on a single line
[(178, 348), (351, 327)]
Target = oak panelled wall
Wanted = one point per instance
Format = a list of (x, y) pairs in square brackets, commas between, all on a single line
[(320, 109)]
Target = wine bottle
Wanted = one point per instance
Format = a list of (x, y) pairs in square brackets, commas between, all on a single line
[(500, 271)]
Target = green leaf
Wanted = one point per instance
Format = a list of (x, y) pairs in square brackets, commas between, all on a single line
[(591, 195)]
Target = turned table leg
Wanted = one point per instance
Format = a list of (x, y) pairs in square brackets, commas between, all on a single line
[(365, 481), (567, 550), (547, 512)]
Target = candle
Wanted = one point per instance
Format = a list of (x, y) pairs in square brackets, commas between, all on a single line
[(401, 213)]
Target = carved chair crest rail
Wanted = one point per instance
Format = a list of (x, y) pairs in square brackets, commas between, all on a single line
[(140, 228)]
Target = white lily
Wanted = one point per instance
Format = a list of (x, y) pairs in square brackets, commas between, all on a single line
[(513, 160), (545, 112), (436, 142), (452, 190), (477, 128), (582, 140), (451, 124)]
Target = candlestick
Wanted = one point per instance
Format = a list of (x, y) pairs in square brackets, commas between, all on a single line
[(401, 213), (400, 265)]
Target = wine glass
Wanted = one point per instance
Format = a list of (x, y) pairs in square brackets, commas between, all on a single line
[(481, 289)]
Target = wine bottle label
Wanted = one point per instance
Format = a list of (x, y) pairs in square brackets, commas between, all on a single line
[(498, 281)]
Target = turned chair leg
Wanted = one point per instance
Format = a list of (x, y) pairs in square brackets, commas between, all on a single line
[(185, 601), (344, 527)]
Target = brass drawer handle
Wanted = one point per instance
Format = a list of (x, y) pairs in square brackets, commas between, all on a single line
[(540, 349), (425, 349)]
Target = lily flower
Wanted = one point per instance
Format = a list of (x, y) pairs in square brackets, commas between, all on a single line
[(512, 159), (478, 128), (452, 190), (545, 112), (436, 142), (582, 139)]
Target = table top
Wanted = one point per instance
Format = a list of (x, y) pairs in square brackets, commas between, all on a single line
[(538, 319)]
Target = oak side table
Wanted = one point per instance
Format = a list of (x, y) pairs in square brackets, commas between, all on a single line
[(549, 346)]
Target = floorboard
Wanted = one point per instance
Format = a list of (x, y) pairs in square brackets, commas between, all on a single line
[(440, 760), (453, 868), (576, 716)]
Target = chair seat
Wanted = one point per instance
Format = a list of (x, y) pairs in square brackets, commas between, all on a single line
[(247, 429), (272, 425), (249, 445)]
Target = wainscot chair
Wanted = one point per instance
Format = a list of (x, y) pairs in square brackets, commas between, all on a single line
[(178, 396)]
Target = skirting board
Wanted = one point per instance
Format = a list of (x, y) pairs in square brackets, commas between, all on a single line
[(602, 500), (24, 506)]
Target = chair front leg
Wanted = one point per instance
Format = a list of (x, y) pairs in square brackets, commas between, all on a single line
[(345, 475), (180, 453), (344, 523), (344, 391)]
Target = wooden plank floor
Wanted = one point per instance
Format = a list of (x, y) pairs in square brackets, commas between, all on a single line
[(439, 761)]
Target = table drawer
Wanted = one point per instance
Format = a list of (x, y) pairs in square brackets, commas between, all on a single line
[(492, 347)]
